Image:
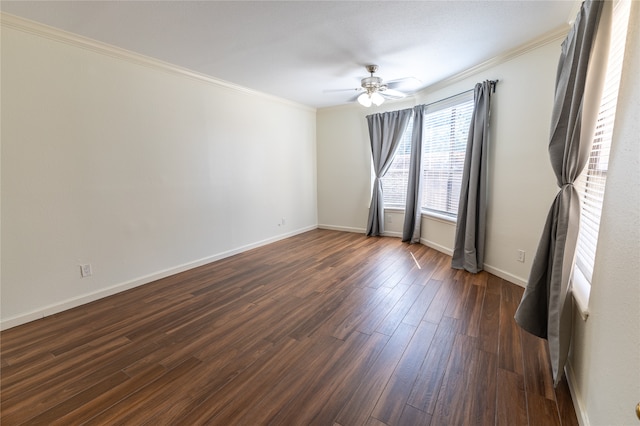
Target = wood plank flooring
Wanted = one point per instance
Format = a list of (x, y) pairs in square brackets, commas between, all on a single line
[(324, 328)]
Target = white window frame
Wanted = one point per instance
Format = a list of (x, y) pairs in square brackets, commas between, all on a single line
[(598, 165), (444, 104)]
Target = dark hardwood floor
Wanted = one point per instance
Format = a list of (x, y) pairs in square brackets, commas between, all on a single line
[(323, 328)]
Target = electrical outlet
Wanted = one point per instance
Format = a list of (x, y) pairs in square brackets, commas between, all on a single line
[(85, 270), (521, 255)]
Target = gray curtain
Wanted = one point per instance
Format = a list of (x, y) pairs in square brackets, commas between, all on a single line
[(413, 206), (468, 250), (546, 308), (385, 132)]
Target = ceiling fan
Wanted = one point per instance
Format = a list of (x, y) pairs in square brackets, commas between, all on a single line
[(375, 91)]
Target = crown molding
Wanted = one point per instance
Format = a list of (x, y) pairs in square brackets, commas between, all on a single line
[(550, 37), (554, 35), (58, 35), (55, 34)]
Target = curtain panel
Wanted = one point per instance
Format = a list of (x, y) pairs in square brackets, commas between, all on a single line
[(385, 132), (546, 306), (413, 206), (468, 250)]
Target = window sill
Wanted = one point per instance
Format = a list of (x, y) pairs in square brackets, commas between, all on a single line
[(394, 209), (425, 214), (440, 217), (580, 289)]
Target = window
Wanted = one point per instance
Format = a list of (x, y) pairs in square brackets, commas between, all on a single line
[(591, 184), (394, 182), (443, 150)]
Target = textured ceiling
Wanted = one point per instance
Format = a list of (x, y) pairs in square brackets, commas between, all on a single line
[(304, 50)]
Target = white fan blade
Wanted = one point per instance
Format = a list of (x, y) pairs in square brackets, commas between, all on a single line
[(392, 94), (406, 83), (357, 89)]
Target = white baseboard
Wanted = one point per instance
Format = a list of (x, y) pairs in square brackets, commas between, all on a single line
[(491, 269), (436, 246), (91, 297), (392, 234), (87, 298), (581, 413), (522, 282), (342, 228), (446, 250)]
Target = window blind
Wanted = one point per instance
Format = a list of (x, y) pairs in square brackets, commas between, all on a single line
[(591, 184), (394, 183), (444, 148)]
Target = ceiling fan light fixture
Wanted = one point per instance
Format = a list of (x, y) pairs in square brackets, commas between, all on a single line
[(372, 86), (377, 98), (365, 100)]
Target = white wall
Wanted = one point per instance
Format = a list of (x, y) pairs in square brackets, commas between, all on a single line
[(604, 365), (521, 182), (135, 168)]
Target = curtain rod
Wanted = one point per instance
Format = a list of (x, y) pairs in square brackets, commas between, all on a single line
[(493, 89)]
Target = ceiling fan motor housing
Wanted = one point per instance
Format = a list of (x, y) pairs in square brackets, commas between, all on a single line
[(371, 83)]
